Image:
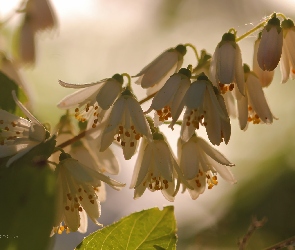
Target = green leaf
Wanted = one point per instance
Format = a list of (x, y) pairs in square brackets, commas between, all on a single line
[(27, 206), (147, 229), (6, 86)]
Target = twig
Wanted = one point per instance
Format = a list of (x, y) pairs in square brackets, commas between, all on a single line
[(283, 244), (255, 224)]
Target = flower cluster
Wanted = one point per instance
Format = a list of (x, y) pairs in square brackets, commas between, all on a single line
[(206, 96)]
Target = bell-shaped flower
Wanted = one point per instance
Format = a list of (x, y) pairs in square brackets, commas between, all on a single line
[(226, 70), (169, 101), (93, 99), (78, 190), (40, 15), (156, 169), (155, 74), (270, 47), (18, 135), (205, 108), (200, 164), (127, 121), (253, 106), (265, 76), (288, 55)]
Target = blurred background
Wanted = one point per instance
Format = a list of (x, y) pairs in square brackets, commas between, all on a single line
[(98, 38)]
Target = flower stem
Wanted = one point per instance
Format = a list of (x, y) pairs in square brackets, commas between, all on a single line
[(281, 15), (129, 79), (147, 98), (69, 142), (194, 49), (232, 30), (251, 31)]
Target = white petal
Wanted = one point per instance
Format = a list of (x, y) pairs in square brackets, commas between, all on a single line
[(83, 222), (108, 93), (189, 162), (225, 61), (195, 94), (270, 49), (158, 68), (242, 104), (165, 94), (285, 65), (138, 119), (212, 152), (79, 97), (257, 99), (24, 109), (163, 161), (20, 153), (239, 71), (143, 164), (224, 172), (80, 86), (72, 219)]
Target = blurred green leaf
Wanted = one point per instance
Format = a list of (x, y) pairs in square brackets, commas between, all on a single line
[(6, 86), (27, 206), (147, 229)]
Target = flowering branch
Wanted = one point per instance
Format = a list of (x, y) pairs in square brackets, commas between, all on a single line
[(194, 49), (255, 224)]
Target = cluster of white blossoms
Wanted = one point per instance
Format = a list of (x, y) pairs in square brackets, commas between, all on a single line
[(207, 95)]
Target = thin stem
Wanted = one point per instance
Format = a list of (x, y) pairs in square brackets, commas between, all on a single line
[(19, 9), (194, 49), (251, 31), (232, 30), (281, 15), (282, 244), (129, 79), (69, 142), (147, 98), (255, 224)]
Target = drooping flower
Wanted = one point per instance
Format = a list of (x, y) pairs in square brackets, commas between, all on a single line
[(288, 54), (156, 169), (169, 101), (265, 76), (200, 164), (93, 99), (270, 47), (18, 135), (253, 106), (205, 108), (39, 16), (78, 190), (155, 74), (127, 121), (226, 70)]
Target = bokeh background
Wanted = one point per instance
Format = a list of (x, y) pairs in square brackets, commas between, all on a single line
[(98, 38)]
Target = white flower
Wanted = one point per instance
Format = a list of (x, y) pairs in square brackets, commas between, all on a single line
[(265, 76), (40, 15), (205, 108), (155, 74), (127, 120), (270, 47), (78, 190), (253, 106), (226, 66), (169, 101), (18, 135), (201, 163), (93, 99), (288, 54), (156, 169)]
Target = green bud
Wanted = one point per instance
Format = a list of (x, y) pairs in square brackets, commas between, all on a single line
[(228, 37), (64, 156), (185, 72), (118, 78), (287, 24), (202, 77), (246, 68), (158, 136), (181, 49)]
